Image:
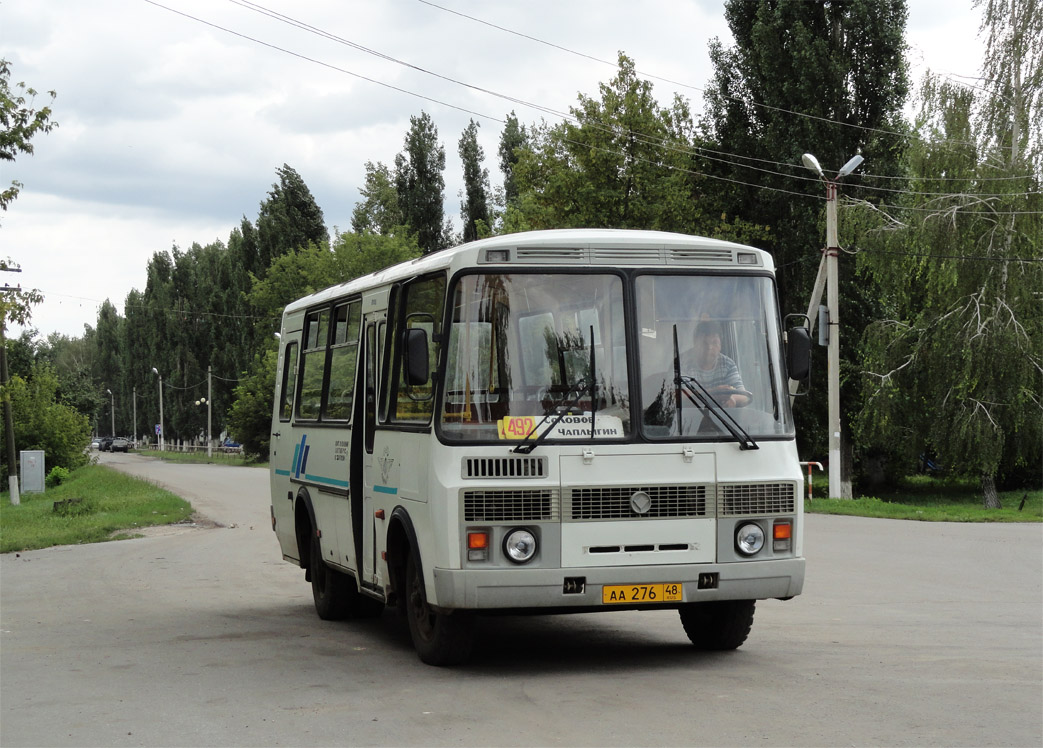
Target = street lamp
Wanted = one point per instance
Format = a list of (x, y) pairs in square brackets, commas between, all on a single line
[(206, 401), (112, 411), (833, 302), (161, 429)]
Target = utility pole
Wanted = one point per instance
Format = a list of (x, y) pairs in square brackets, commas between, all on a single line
[(12, 456), (209, 405), (134, 400), (830, 260)]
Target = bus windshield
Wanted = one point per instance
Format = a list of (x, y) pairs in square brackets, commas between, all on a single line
[(525, 348), (709, 351), (544, 356)]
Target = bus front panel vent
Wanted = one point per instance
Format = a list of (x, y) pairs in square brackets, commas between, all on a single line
[(617, 502), (746, 499), (696, 256), (533, 505), (505, 467)]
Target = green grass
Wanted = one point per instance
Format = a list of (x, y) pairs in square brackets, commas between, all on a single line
[(932, 500), (112, 505), (217, 458)]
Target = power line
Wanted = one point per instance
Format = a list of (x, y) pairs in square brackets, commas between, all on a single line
[(643, 137), (676, 83), (930, 256), (648, 140)]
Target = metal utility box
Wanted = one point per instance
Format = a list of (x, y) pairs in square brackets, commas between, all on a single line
[(32, 471)]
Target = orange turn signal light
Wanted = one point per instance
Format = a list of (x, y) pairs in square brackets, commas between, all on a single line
[(782, 531), (477, 540)]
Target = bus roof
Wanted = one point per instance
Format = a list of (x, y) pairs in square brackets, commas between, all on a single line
[(564, 247)]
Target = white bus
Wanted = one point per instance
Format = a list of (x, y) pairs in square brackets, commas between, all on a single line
[(526, 423)]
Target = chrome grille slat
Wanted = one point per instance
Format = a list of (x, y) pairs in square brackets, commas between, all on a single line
[(511, 505), (744, 499), (613, 502)]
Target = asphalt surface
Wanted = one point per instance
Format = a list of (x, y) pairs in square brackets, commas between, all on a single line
[(907, 634)]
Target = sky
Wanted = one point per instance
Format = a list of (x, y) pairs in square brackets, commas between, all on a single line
[(173, 115)]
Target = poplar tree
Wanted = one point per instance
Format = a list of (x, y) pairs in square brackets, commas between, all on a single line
[(475, 209), (420, 184), (289, 218)]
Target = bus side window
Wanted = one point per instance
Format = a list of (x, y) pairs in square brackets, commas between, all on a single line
[(343, 361), (421, 308), (289, 382), (309, 398)]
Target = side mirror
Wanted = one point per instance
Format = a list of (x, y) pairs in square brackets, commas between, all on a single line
[(417, 364), (798, 353)]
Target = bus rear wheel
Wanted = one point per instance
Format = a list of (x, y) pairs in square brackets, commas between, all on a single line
[(329, 588), (718, 625), (439, 638), (335, 594)]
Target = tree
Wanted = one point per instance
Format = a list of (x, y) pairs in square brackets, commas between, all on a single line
[(513, 139), (379, 212), (420, 184), (43, 423), (250, 417), (20, 122), (475, 207), (828, 78), (957, 365), (289, 218)]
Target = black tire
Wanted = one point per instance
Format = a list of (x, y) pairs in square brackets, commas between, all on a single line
[(329, 587), (336, 594), (719, 625), (439, 638)]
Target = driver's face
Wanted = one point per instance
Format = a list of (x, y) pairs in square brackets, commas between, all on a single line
[(707, 349)]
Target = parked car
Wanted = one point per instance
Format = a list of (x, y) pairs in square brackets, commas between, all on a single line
[(106, 444), (119, 444), (95, 443)]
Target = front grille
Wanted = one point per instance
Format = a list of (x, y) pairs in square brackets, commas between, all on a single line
[(505, 467), (528, 505), (613, 502), (743, 499)]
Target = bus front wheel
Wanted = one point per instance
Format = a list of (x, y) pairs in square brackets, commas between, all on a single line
[(718, 625), (439, 638)]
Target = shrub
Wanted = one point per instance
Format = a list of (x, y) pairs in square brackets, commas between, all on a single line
[(56, 477)]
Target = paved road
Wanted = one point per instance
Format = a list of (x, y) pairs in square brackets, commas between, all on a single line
[(907, 634)]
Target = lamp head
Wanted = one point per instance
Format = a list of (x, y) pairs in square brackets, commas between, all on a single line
[(812, 163), (850, 166), (155, 370)]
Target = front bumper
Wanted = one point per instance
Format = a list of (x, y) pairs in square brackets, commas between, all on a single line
[(516, 588)]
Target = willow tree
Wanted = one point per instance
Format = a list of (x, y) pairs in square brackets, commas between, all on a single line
[(957, 366)]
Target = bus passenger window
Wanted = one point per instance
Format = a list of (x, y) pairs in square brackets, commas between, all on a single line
[(289, 382), (315, 333), (343, 361)]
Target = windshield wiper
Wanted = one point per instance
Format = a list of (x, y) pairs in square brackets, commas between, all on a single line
[(701, 397), (581, 387), (559, 412)]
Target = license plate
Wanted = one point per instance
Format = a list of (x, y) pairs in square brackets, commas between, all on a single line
[(665, 592)]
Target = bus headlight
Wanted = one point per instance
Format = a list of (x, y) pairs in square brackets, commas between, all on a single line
[(749, 539), (519, 545)]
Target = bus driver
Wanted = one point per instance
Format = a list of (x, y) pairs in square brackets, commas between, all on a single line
[(715, 371)]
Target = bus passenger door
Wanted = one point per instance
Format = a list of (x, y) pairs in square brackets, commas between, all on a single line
[(362, 446)]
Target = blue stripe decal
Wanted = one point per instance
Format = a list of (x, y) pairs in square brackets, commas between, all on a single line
[(282, 472), (385, 489), (296, 455), (327, 481)]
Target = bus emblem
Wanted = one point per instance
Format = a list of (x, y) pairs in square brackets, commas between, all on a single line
[(640, 502)]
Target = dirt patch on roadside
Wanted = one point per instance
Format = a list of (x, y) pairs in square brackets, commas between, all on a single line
[(195, 522)]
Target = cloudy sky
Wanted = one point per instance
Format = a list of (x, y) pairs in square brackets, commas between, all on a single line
[(174, 114)]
